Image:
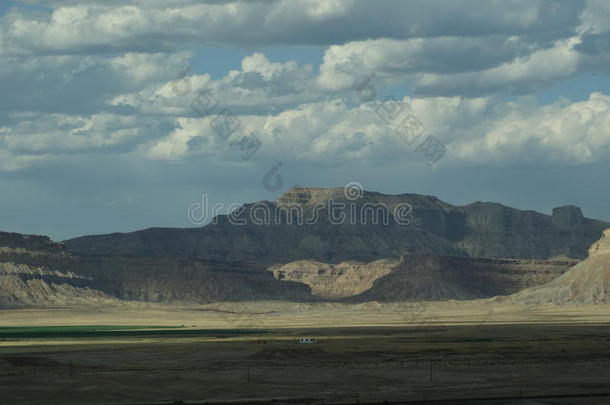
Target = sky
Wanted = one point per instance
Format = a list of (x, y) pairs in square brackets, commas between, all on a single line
[(117, 115)]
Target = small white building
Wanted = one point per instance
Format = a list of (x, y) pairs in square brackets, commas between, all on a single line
[(307, 340)]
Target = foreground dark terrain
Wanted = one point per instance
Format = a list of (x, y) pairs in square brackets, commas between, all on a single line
[(548, 364)]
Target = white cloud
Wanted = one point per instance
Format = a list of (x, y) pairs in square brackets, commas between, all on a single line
[(77, 27), (77, 84), (557, 134), (261, 86), (521, 75), (452, 66), (401, 59), (104, 77), (36, 139), (476, 131)]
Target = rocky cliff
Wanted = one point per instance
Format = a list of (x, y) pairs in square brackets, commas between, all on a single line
[(421, 277), (335, 281), (294, 227), (24, 285), (50, 277), (588, 282), (602, 246), (186, 280), (33, 273)]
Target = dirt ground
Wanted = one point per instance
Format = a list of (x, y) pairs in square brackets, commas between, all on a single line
[(543, 356)]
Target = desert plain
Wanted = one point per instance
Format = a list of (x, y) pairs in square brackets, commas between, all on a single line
[(447, 352)]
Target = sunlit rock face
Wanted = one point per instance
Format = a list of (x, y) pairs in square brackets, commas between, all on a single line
[(588, 282), (602, 246)]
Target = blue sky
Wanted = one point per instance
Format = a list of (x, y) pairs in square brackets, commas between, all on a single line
[(217, 60), (98, 131)]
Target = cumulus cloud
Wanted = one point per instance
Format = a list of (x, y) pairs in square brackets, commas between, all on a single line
[(492, 47), (71, 84), (557, 134), (402, 59), (476, 131), (260, 86), (321, 131), (77, 27), (521, 75), (114, 77), (35, 140), (59, 133)]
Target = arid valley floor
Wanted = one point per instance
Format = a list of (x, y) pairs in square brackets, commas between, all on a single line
[(249, 353)]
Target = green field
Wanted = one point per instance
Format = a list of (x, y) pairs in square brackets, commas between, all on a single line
[(94, 331)]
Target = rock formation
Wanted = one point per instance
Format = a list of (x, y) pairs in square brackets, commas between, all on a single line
[(487, 230), (588, 282), (602, 246), (420, 277), (24, 285), (335, 281), (174, 280), (50, 277)]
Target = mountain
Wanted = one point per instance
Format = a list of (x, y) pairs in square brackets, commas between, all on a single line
[(416, 224), (36, 272), (588, 282)]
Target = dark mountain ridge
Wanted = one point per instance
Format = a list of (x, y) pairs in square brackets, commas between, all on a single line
[(488, 230)]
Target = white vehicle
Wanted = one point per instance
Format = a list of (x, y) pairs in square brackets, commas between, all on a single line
[(307, 340)]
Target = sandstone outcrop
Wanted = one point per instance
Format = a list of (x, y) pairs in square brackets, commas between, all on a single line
[(53, 278), (602, 246), (420, 277), (23, 285), (335, 281), (588, 282)]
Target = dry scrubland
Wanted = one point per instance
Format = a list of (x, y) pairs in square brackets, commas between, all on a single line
[(366, 353), (266, 314)]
